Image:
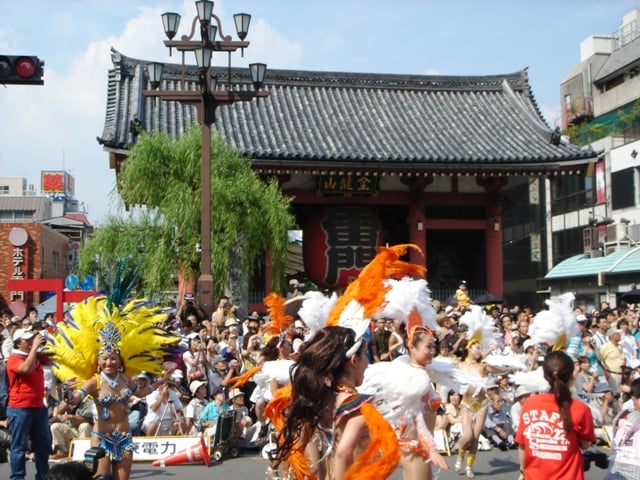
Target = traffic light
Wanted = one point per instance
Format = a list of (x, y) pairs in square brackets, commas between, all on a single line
[(21, 70)]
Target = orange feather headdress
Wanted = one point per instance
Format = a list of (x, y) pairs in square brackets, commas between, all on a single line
[(278, 320)]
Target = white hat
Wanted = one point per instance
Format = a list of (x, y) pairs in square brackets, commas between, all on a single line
[(293, 282), (195, 385), (528, 343), (298, 324), (231, 322), (234, 393), (177, 374), (581, 318), (193, 335), (23, 334), (523, 390)]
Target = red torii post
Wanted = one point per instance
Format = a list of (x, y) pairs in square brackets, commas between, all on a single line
[(51, 285)]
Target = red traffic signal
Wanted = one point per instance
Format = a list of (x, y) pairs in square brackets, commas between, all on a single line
[(21, 70)]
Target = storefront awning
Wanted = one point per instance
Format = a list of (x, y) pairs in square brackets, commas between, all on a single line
[(621, 261)]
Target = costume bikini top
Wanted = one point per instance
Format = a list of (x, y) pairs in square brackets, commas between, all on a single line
[(106, 399)]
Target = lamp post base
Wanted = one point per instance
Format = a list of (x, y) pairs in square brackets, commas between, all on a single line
[(205, 294)]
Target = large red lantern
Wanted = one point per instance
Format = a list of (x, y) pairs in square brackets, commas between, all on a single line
[(338, 242)]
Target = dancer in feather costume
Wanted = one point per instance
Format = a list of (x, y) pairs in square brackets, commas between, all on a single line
[(403, 389), (99, 349), (331, 430)]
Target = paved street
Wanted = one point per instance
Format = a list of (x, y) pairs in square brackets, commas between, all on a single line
[(494, 464)]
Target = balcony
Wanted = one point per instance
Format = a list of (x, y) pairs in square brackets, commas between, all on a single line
[(579, 110)]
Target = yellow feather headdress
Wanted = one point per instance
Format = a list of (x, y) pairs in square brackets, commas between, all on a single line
[(96, 325), (105, 323)]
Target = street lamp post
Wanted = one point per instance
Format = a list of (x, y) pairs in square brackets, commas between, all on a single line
[(207, 99)]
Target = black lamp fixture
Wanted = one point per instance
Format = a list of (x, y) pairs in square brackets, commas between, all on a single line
[(242, 21), (206, 100), (205, 10), (170, 22), (634, 153), (154, 70), (257, 71)]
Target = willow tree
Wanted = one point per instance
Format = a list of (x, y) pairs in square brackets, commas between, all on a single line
[(248, 215)]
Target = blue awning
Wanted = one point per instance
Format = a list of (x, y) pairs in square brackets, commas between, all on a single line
[(625, 260)]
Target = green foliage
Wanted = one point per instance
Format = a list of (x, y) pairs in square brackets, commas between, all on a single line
[(587, 132), (246, 213)]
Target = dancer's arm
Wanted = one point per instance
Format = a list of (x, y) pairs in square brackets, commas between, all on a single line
[(349, 441)]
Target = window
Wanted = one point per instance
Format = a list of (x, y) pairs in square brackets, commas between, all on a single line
[(570, 193), (623, 190)]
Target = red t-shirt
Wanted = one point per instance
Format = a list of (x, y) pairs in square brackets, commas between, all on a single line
[(25, 390), (550, 453)]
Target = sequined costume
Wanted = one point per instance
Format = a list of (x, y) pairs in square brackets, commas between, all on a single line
[(116, 443)]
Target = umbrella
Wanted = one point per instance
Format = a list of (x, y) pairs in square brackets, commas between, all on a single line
[(632, 296), (488, 299)]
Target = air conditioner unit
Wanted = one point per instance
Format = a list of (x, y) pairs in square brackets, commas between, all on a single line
[(616, 232), (634, 232), (594, 254)]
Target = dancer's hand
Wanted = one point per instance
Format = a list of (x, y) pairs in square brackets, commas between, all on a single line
[(438, 460)]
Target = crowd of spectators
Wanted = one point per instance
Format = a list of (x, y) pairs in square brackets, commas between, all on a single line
[(215, 350)]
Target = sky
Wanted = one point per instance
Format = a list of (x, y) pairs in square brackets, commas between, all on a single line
[(54, 127)]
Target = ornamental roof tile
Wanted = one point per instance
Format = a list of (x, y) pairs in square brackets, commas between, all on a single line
[(355, 120)]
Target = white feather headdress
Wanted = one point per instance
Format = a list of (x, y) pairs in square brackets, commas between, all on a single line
[(555, 325), (406, 296), (315, 311), (481, 328)]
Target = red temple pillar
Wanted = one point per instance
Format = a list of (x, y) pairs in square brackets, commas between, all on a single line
[(494, 255), (417, 234)]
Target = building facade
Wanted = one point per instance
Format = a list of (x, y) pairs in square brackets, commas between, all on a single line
[(455, 165), (595, 222), (41, 231)]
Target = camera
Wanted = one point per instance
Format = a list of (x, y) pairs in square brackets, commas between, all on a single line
[(599, 458), (91, 457)]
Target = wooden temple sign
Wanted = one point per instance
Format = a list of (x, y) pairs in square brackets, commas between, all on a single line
[(348, 184)]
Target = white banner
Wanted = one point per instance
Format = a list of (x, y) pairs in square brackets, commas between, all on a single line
[(149, 448)]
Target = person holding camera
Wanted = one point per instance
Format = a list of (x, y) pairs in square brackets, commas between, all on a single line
[(165, 414), (194, 358), (28, 416)]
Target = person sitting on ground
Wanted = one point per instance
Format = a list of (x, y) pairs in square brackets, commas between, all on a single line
[(451, 421), (604, 408), (245, 430), (209, 417), (72, 421), (196, 406), (497, 426)]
